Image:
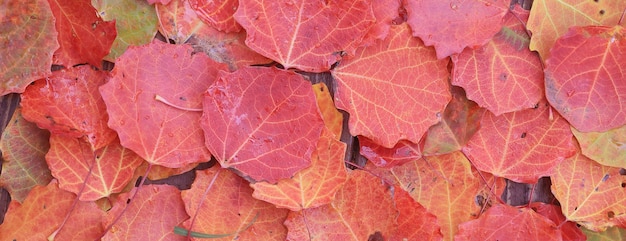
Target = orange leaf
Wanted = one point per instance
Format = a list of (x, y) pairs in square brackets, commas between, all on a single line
[(414, 221), (333, 119), (158, 132), (263, 122), (403, 71), (313, 186), (151, 215), (586, 77), (521, 146), (503, 75), (362, 208), (43, 211), (452, 25), (70, 159), (68, 103), (228, 207), (27, 30), (302, 34), (23, 146), (590, 194), (503, 222), (447, 187), (550, 19), (218, 14), (607, 148)]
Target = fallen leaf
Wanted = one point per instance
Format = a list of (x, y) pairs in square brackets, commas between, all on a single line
[(503, 222), (347, 217), (44, 210), (450, 26), (160, 133), (607, 148), (68, 103), (387, 13), (403, 152), (314, 186), (333, 119), (27, 29), (550, 20), (590, 194), (611, 234), (144, 217), (306, 35), (401, 69), (461, 119), (503, 75), (585, 77), (218, 14), (521, 146), (23, 147), (228, 207), (70, 161), (414, 221), (83, 36), (263, 122), (569, 230), (135, 21)]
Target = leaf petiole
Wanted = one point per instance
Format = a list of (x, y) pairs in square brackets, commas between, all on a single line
[(185, 232), (164, 101)]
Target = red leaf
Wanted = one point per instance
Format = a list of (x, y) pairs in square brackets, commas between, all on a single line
[(263, 122), (151, 215), (586, 77), (452, 25), (44, 210), (83, 36), (228, 207), (569, 230), (314, 186), (307, 35), (503, 222), (68, 103), (180, 23), (461, 120), (218, 14), (70, 159), (159, 133), (401, 153), (386, 13), (23, 147), (414, 221), (503, 75), (361, 208), (521, 146), (403, 71), (27, 30)]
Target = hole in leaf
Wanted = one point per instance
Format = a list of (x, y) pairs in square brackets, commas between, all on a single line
[(127, 201), (610, 214), (502, 77), (523, 135), (622, 171), (596, 0), (602, 12), (576, 208), (623, 184), (377, 236)]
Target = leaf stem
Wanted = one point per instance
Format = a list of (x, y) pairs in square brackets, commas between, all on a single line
[(164, 101), (206, 192)]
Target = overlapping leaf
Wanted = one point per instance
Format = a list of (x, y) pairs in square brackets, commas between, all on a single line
[(550, 19), (611, 234), (521, 146), (307, 35), (228, 208), (313, 186), (607, 148), (263, 122), (343, 219), (28, 40), (218, 14), (590, 194), (586, 77), (386, 85), (83, 36), (180, 23), (503, 75), (447, 187), (452, 25), (569, 230), (333, 119), (162, 134), (135, 21), (461, 119), (44, 210), (414, 222), (403, 152), (23, 147), (386, 13), (71, 160), (143, 218), (503, 222), (68, 103)]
